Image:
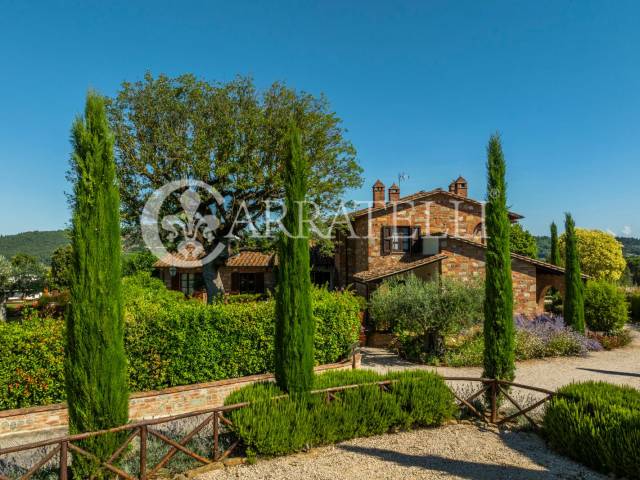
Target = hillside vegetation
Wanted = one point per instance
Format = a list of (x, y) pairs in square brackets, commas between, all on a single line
[(39, 244)]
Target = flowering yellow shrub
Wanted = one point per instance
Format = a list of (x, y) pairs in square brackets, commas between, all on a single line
[(600, 254)]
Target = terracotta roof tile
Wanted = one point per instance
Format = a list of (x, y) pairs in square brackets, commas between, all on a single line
[(386, 271), (252, 259)]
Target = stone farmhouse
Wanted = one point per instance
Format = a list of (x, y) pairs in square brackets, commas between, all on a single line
[(429, 233)]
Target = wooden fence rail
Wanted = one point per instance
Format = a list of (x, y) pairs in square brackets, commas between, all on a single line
[(215, 417)]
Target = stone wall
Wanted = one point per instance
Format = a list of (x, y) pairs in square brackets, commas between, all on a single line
[(144, 405), (441, 214), (465, 261)]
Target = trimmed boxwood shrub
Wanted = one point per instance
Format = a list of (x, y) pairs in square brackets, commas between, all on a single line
[(598, 424), (288, 424), (171, 341), (605, 306)]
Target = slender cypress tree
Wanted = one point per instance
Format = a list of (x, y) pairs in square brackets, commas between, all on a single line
[(554, 255), (95, 363), (294, 319), (573, 295), (499, 340)]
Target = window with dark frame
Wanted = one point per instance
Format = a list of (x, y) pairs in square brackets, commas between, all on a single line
[(247, 282), (400, 239), (187, 283)]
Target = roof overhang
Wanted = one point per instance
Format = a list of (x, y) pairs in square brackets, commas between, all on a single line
[(402, 267)]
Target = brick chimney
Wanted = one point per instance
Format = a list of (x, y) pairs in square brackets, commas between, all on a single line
[(394, 192), (459, 187), (378, 194)]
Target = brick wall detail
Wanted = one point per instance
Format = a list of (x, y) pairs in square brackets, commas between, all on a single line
[(146, 405)]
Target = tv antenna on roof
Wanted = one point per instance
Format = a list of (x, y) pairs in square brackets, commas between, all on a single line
[(403, 176)]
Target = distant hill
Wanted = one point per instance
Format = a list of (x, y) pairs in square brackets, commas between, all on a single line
[(544, 246), (631, 246), (39, 244)]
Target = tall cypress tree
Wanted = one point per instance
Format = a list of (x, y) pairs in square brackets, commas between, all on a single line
[(554, 255), (294, 320), (499, 340), (574, 294), (95, 363)]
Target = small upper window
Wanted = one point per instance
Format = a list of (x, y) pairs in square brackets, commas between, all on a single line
[(399, 239)]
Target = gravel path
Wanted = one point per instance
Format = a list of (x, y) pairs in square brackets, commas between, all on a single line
[(454, 451), (620, 366)]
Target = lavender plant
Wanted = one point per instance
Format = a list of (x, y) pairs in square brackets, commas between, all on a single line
[(549, 336)]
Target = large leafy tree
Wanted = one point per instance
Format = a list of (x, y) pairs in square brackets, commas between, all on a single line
[(574, 288), (522, 242), (294, 318), (554, 254), (95, 363), (231, 137), (499, 341), (599, 253)]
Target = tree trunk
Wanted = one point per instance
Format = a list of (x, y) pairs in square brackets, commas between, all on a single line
[(433, 344), (212, 281)]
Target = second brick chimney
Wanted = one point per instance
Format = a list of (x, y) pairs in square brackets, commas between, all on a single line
[(394, 193), (378, 194), (459, 187)]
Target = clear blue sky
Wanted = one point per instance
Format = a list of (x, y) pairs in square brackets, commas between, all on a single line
[(420, 86)]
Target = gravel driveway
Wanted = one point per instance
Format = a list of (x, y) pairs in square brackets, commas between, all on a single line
[(455, 451)]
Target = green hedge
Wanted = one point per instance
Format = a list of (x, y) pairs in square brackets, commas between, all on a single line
[(597, 424), (605, 306), (170, 341), (31, 363), (289, 424)]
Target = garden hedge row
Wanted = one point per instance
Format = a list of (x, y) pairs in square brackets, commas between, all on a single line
[(284, 425), (170, 342), (597, 424)]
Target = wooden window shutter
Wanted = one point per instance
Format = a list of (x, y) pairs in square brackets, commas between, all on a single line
[(416, 240), (386, 240)]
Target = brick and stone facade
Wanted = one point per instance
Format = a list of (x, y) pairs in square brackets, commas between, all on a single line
[(455, 222)]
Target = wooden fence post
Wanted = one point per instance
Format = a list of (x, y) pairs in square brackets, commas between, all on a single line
[(143, 452), (494, 401), (63, 460), (216, 434)]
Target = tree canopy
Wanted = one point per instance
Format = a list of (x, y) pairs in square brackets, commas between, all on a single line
[(28, 273), (228, 135), (600, 254), (522, 242)]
